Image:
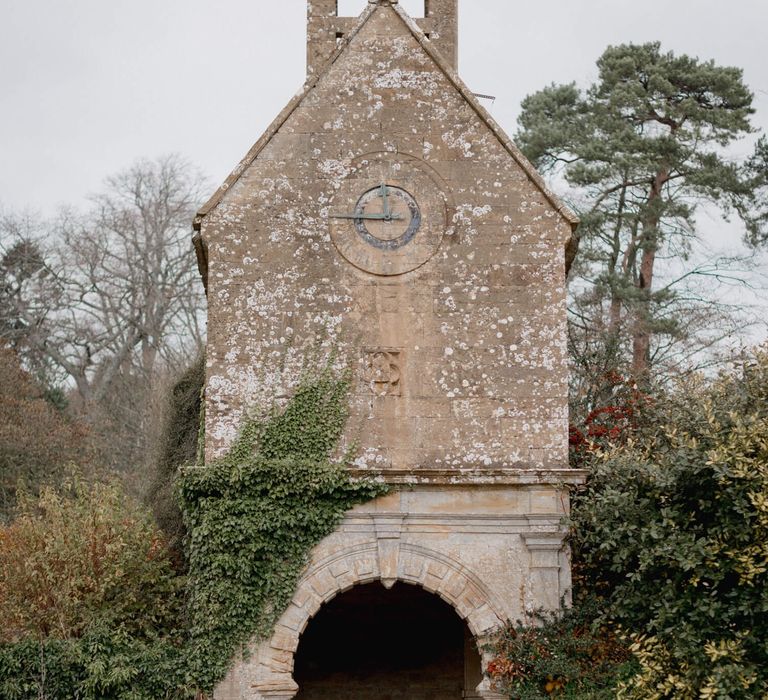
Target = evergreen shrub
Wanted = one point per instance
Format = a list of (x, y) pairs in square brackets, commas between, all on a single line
[(672, 528), (670, 545), (90, 603)]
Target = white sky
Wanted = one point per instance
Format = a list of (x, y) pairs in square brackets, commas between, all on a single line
[(89, 86)]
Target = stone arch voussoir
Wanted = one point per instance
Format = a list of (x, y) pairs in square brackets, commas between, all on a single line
[(384, 560)]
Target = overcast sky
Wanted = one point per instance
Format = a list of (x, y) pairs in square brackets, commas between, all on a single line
[(88, 86)]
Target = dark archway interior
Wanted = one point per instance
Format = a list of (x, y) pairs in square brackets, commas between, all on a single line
[(371, 643)]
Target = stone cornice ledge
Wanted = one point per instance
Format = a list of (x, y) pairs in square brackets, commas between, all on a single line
[(453, 476)]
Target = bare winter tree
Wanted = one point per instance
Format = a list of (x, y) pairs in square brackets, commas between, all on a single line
[(110, 290), (109, 300)]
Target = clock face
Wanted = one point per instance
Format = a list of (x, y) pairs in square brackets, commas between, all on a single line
[(389, 215)]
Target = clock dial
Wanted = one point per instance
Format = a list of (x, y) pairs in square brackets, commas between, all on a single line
[(389, 216)]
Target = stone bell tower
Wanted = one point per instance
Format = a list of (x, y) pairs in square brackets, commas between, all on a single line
[(387, 219), (326, 30)]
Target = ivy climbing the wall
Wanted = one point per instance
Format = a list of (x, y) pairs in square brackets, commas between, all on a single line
[(253, 516)]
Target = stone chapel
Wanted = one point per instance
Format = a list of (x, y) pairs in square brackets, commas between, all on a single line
[(386, 218)]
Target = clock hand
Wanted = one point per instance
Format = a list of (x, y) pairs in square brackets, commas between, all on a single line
[(384, 193), (374, 217)]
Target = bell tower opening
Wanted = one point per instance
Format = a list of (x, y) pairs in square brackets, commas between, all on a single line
[(371, 643)]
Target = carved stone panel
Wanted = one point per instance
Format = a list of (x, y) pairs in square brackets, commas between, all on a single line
[(383, 371)]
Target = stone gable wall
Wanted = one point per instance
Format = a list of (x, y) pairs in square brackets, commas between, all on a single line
[(460, 362)]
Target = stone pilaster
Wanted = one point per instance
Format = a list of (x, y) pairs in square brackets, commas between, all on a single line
[(545, 549)]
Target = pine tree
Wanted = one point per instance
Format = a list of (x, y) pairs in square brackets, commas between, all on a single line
[(642, 148)]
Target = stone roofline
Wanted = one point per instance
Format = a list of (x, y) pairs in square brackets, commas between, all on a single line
[(201, 248)]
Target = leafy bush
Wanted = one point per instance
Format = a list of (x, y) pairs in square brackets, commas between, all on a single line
[(91, 605), (104, 664), (40, 670), (562, 654), (178, 448), (36, 439), (673, 527), (83, 556), (614, 421), (670, 553)]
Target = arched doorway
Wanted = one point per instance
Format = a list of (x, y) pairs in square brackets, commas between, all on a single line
[(372, 643)]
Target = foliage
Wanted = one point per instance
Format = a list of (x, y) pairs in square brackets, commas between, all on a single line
[(41, 670), (178, 448), (84, 557), (22, 277), (642, 149), (613, 422), (90, 603), (104, 664), (672, 528), (254, 514), (664, 674), (560, 655), (757, 217), (36, 439)]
